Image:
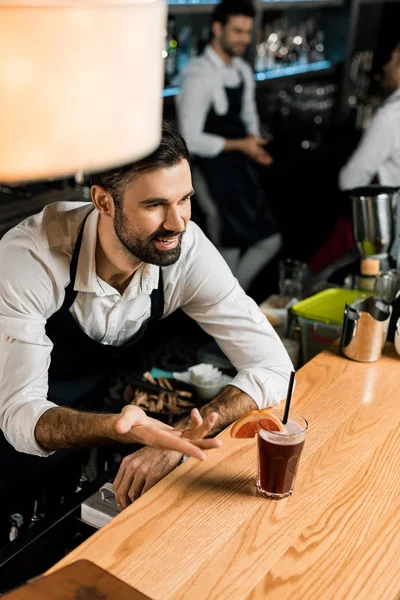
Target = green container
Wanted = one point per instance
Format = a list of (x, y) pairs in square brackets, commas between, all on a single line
[(321, 318), (327, 306)]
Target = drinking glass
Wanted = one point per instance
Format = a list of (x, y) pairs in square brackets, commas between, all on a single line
[(385, 285), (279, 455), (291, 278)]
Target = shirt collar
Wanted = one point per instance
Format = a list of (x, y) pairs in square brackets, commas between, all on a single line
[(215, 58), (144, 280)]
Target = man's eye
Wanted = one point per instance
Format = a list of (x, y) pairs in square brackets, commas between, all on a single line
[(153, 205)]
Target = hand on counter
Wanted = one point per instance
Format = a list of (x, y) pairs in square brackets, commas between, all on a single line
[(146, 467)]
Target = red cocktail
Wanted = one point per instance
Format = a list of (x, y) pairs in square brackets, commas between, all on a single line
[(279, 455)]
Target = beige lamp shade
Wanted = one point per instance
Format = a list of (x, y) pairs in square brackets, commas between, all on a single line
[(80, 85)]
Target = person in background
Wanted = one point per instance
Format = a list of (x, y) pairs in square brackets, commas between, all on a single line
[(377, 157), (375, 160), (217, 116), (79, 284)]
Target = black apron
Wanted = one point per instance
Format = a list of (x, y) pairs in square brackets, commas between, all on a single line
[(233, 182), (78, 378)]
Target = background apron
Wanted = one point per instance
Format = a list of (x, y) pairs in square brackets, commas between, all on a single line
[(233, 182), (78, 378)]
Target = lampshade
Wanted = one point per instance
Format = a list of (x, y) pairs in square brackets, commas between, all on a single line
[(80, 85)]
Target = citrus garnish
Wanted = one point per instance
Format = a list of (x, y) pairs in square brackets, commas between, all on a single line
[(248, 425)]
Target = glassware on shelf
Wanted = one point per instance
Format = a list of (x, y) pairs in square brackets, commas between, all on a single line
[(280, 45)]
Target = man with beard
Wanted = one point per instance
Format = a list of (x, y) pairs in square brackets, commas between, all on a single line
[(80, 282), (218, 118)]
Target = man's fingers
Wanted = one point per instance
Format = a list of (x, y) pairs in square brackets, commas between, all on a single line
[(120, 476), (196, 417), (122, 488), (167, 441), (136, 489), (208, 443), (204, 428), (162, 425)]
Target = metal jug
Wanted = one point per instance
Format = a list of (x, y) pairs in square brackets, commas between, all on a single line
[(365, 328), (373, 209)]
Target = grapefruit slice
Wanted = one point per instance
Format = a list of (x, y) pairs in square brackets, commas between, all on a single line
[(248, 425)]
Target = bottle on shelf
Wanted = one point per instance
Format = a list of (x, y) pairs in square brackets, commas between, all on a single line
[(170, 53), (280, 45)]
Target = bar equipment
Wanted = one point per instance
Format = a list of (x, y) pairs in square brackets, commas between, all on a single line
[(365, 328), (376, 232)]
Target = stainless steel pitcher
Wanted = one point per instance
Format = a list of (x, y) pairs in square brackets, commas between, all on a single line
[(365, 328), (373, 209)]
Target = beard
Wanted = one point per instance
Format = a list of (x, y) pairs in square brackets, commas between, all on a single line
[(144, 249), (233, 50)]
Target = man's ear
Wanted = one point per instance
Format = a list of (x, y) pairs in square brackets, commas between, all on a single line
[(217, 29), (102, 200)]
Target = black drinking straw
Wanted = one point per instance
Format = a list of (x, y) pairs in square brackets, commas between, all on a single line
[(288, 398)]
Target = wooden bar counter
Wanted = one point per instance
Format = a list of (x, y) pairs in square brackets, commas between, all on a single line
[(204, 533)]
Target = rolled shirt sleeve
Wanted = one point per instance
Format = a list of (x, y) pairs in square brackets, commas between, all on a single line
[(249, 111), (215, 300), (193, 104), (24, 347)]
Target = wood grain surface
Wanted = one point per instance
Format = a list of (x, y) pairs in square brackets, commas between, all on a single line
[(80, 580), (204, 533)]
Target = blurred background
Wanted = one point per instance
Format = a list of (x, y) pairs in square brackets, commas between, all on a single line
[(316, 66)]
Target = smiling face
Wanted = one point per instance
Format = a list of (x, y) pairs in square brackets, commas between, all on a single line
[(235, 36), (153, 214)]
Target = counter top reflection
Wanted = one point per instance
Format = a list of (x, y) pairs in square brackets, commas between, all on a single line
[(204, 533)]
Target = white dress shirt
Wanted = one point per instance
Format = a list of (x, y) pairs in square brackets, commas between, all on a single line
[(35, 259), (203, 87), (378, 152)]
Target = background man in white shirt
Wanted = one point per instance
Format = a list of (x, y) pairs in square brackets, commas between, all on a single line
[(378, 153), (217, 116), (78, 284)]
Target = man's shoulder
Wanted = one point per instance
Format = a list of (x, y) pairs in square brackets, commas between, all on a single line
[(199, 66), (55, 226), (195, 244), (244, 66)]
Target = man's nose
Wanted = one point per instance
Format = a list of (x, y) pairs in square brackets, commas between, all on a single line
[(174, 220)]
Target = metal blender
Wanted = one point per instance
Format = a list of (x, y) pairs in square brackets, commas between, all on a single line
[(376, 230)]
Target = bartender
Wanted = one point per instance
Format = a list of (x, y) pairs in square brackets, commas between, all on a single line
[(217, 116), (375, 160), (377, 157), (79, 284)]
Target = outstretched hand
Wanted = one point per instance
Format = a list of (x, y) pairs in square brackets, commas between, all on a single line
[(146, 467), (134, 426)]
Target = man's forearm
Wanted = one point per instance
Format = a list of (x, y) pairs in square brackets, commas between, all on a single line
[(233, 145), (230, 405), (62, 428)]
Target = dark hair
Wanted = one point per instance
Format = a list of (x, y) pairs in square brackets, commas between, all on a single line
[(229, 8), (170, 152)]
